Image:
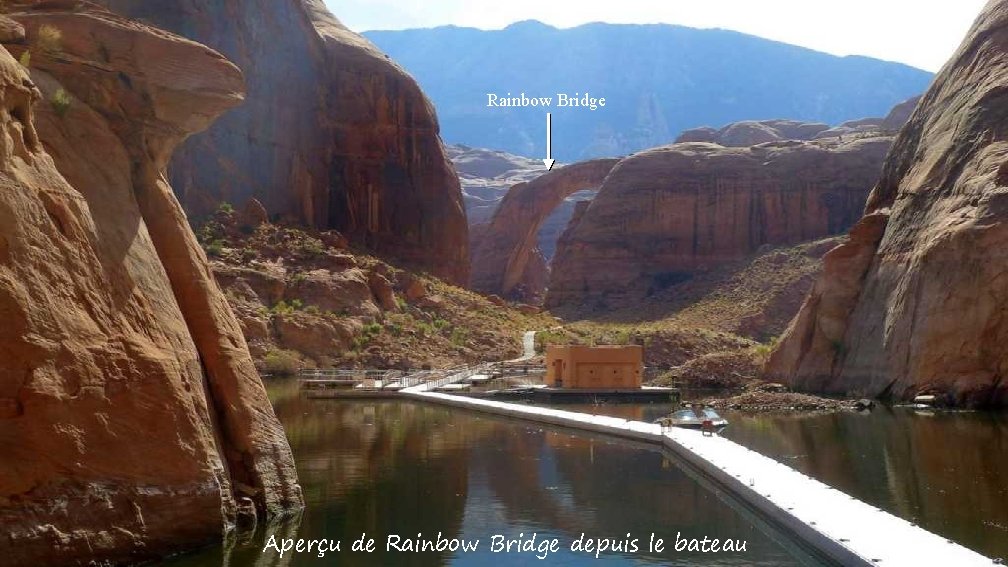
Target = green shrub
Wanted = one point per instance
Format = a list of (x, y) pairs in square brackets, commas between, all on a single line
[(763, 351), (61, 102), (225, 208), (459, 336), (312, 247), (284, 307), (544, 338), (215, 248), (25, 59), (49, 39), (247, 255), (366, 335), (281, 363)]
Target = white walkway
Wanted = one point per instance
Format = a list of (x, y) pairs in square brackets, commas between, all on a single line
[(837, 525), (528, 347), (462, 374)]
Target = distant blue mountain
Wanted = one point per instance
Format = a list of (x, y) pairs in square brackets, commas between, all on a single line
[(658, 80)]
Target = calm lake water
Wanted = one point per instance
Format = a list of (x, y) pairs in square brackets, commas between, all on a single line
[(401, 468), (945, 471)]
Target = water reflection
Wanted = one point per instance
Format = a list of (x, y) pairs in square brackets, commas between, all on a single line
[(403, 468), (945, 471)]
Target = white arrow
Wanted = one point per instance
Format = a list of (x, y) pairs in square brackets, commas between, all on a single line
[(549, 161)]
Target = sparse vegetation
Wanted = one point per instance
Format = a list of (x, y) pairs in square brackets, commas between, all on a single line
[(214, 248), (367, 334), (450, 326), (459, 336), (284, 307), (49, 40), (25, 59), (546, 338), (281, 363), (763, 350), (61, 102)]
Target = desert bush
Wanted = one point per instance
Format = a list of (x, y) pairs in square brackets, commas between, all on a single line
[(459, 336), (61, 102), (215, 248), (49, 39), (281, 363), (545, 338), (284, 307), (763, 351)]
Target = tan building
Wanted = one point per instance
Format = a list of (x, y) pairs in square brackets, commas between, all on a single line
[(601, 367)]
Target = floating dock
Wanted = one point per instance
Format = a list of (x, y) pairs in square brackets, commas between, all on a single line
[(837, 526)]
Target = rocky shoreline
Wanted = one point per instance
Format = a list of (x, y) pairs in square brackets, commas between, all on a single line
[(766, 397)]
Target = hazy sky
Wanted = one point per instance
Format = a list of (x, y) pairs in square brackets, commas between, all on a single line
[(922, 33)]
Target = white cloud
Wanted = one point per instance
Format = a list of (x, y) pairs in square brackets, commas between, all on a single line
[(922, 33)]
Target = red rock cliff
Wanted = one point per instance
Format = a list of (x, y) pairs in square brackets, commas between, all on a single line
[(663, 214), (132, 420), (332, 133), (915, 301)]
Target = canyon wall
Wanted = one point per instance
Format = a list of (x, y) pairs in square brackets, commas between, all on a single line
[(664, 214), (915, 301), (132, 419), (333, 134)]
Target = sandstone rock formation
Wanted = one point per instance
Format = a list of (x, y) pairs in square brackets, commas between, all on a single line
[(505, 257), (133, 421), (667, 213), (751, 132), (332, 134), (900, 115), (915, 301), (487, 176)]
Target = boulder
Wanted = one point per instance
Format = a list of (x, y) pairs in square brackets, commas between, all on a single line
[(413, 287), (254, 214), (265, 282), (915, 302), (333, 134), (497, 300), (131, 406), (317, 337), (528, 309), (11, 31), (346, 292), (382, 290)]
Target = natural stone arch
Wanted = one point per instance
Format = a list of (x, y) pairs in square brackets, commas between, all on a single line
[(504, 247)]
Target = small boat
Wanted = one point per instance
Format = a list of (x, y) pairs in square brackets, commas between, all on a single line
[(702, 418)]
